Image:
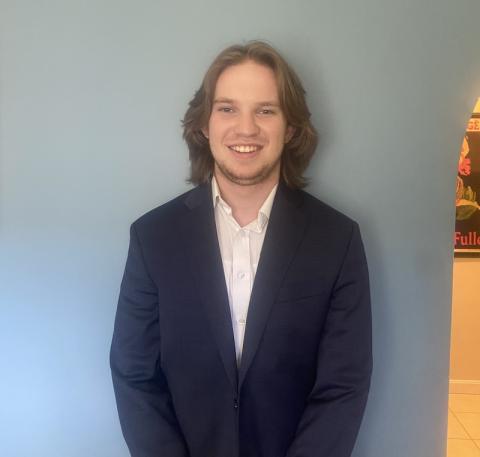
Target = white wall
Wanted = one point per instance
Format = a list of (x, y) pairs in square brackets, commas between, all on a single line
[(465, 344)]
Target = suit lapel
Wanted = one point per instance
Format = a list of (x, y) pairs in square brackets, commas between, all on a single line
[(201, 240), (284, 233)]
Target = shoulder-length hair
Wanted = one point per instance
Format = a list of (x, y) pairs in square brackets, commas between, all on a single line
[(297, 152)]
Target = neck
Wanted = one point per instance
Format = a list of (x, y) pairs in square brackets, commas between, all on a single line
[(245, 200)]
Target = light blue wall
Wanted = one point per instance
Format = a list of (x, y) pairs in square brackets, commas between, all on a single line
[(92, 93)]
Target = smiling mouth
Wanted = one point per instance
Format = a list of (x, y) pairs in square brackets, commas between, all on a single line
[(245, 149)]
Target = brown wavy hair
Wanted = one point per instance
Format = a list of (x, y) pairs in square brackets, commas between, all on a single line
[(297, 152)]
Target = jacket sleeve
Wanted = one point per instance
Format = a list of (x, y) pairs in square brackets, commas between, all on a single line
[(145, 409), (333, 413)]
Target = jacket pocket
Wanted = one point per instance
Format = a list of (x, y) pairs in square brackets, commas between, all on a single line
[(301, 289)]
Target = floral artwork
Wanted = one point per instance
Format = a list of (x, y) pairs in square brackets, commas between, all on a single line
[(466, 197), (467, 201)]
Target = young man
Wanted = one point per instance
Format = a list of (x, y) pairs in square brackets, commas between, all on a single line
[(243, 326)]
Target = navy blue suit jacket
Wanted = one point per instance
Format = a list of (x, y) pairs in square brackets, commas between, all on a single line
[(301, 388)]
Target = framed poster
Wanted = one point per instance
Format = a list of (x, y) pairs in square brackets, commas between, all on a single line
[(467, 201)]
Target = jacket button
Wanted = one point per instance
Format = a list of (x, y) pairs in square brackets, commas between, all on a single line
[(235, 403)]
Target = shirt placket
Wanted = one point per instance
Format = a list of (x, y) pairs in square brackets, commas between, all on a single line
[(241, 283)]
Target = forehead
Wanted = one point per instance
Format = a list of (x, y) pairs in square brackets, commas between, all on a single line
[(247, 80)]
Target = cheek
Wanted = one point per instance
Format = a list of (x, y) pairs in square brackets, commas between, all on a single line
[(217, 129), (278, 134)]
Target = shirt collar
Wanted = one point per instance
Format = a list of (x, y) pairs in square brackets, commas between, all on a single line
[(263, 214)]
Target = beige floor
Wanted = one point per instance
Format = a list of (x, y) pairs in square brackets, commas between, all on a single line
[(463, 425)]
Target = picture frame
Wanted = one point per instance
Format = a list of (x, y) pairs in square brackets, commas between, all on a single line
[(467, 201)]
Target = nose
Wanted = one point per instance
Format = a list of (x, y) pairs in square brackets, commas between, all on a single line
[(247, 125)]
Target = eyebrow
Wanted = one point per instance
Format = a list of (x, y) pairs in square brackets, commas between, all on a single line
[(229, 100), (223, 100)]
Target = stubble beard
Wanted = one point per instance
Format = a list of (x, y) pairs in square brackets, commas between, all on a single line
[(258, 176)]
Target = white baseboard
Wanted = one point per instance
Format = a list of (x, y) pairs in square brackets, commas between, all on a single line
[(464, 386)]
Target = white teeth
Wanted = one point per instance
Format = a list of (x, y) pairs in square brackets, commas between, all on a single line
[(242, 148)]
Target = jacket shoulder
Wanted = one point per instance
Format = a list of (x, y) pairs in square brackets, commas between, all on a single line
[(322, 213), (164, 216)]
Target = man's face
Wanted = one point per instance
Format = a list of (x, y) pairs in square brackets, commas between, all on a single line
[(247, 129)]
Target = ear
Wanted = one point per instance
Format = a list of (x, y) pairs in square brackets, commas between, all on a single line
[(205, 132), (289, 133)]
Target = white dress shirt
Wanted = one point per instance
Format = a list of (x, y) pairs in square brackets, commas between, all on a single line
[(240, 248)]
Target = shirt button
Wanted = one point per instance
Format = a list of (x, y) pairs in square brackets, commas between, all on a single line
[(242, 321), (241, 275)]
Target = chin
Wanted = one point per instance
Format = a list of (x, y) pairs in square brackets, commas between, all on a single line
[(244, 178)]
